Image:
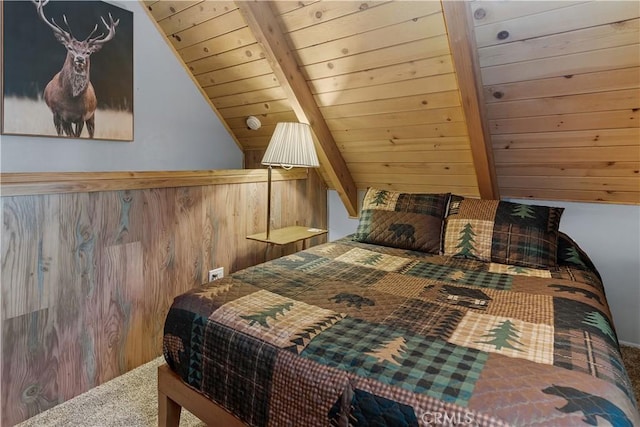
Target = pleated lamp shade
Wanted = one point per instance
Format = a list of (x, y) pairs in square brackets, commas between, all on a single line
[(291, 146)]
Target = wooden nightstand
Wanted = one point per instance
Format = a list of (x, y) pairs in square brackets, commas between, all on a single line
[(287, 235)]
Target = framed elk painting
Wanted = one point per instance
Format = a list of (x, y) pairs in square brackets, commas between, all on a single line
[(68, 69)]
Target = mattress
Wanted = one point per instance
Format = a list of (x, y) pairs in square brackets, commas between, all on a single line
[(349, 333)]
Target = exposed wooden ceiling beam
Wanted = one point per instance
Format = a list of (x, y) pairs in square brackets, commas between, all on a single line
[(463, 50), (264, 25)]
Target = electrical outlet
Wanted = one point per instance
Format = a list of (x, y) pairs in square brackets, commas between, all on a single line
[(216, 273)]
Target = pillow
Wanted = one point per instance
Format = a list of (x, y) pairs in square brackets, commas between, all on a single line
[(570, 254), (502, 232), (402, 220)]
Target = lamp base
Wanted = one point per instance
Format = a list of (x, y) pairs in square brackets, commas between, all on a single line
[(268, 202)]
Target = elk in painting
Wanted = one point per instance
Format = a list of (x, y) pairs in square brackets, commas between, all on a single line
[(70, 95)]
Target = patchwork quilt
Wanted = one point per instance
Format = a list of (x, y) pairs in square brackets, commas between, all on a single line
[(350, 333)]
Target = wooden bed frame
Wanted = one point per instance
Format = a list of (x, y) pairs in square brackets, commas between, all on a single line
[(174, 394)]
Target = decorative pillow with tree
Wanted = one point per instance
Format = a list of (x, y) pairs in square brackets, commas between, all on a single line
[(502, 232), (402, 220), (570, 253)]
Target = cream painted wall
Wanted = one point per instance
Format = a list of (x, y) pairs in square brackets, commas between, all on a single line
[(609, 234), (174, 127)]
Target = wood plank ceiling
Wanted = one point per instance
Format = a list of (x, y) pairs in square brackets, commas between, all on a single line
[(383, 76), (562, 92)]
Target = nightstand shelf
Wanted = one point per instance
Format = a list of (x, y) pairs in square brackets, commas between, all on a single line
[(287, 235)]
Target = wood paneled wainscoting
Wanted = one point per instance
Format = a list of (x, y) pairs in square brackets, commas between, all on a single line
[(91, 263)]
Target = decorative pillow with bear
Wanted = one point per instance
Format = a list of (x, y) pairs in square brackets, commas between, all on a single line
[(402, 220), (502, 232)]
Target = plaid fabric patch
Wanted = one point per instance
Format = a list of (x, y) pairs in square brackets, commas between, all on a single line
[(172, 346), (579, 350), (468, 238), (525, 235), (484, 210), (517, 270), (328, 250), (426, 407), (510, 390), (425, 318), (528, 307), (275, 319), (276, 279), (302, 391), (365, 224), (401, 358), (583, 276), (403, 285), (280, 279), (458, 276), (506, 336), (296, 260), (238, 378), (428, 204), (525, 246), (348, 273), (310, 267), (568, 313), (365, 258), (464, 264)]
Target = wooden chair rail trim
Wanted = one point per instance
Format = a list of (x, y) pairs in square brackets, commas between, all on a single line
[(27, 183)]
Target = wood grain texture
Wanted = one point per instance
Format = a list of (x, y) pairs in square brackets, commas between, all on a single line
[(173, 394), (599, 82), (396, 34), (386, 57), (564, 19), (492, 14), (463, 51), (592, 38), (262, 22), (26, 183), (87, 278), (564, 65), (375, 69), (562, 92), (194, 15)]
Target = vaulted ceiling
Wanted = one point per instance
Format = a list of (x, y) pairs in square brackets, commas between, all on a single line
[(511, 99)]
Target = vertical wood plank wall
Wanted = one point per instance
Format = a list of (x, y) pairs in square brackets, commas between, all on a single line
[(87, 278)]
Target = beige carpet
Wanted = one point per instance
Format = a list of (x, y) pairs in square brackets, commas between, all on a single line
[(131, 400), (631, 357)]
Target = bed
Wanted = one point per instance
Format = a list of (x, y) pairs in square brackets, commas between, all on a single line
[(439, 310)]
